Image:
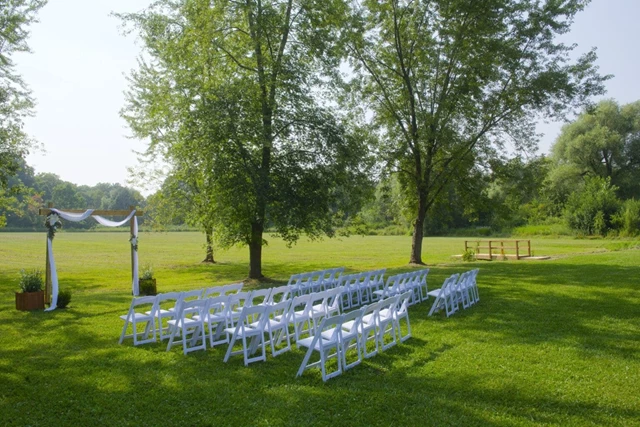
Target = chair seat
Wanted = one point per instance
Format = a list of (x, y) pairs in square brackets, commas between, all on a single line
[(187, 322), (140, 317), (247, 332), (323, 342)]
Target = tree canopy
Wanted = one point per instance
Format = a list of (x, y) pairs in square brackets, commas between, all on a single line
[(235, 89), (16, 101), (604, 142)]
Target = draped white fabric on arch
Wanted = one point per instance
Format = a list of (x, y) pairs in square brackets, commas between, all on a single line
[(73, 217)]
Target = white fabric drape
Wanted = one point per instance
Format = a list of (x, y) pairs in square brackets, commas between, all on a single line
[(136, 290), (81, 217)]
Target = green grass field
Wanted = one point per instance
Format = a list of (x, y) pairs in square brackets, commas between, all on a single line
[(552, 342)]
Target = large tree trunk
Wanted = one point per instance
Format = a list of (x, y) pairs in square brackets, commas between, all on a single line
[(418, 232), (255, 251), (209, 257)]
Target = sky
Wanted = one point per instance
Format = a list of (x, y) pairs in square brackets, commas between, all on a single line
[(80, 61)]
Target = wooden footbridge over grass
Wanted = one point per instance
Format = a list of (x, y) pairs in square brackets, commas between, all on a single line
[(501, 249)]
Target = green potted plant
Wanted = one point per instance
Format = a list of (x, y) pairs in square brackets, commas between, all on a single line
[(31, 296), (146, 282)]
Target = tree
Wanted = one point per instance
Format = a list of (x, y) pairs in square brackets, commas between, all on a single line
[(450, 82), (234, 88), (16, 102), (603, 141), (591, 209)]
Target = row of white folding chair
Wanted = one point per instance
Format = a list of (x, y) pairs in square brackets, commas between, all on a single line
[(254, 322), (216, 291), (337, 334), (467, 289), (153, 315), (458, 289), (415, 281), (314, 281), (360, 288)]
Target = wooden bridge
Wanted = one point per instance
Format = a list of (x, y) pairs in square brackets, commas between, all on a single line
[(499, 249)]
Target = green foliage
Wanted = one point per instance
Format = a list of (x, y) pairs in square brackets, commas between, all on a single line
[(146, 273), (627, 219), (16, 102), (64, 298), (448, 83), (603, 141), (469, 255), (31, 280), (147, 287), (228, 99), (590, 209)]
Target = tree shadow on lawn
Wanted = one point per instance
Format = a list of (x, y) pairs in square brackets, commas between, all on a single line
[(114, 384), (536, 304)]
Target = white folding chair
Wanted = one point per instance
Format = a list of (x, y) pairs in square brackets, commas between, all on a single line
[(160, 313), (232, 288), (250, 326), (424, 289), (445, 297), (259, 297), (350, 337), (189, 326), (462, 287), (235, 305), (402, 312), (135, 318), (328, 346), (276, 326), (474, 286), (376, 284), (319, 304), (281, 293), (369, 328), (299, 315), (215, 316), (386, 324)]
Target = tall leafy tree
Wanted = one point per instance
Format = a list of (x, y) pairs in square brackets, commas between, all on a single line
[(235, 88), (450, 82), (16, 101), (603, 141)]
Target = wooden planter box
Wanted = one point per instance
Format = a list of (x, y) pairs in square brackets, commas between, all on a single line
[(30, 301), (147, 287)]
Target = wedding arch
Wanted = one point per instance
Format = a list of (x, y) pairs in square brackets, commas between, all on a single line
[(76, 215)]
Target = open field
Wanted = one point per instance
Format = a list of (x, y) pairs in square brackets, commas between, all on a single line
[(551, 342)]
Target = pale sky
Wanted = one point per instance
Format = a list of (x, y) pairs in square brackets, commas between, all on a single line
[(80, 60)]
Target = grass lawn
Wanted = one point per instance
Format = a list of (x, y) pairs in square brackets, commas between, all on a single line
[(551, 342)]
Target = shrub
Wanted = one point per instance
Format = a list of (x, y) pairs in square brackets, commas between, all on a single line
[(590, 210), (64, 298), (469, 255), (147, 273), (147, 287), (31, 281), (627, 219)]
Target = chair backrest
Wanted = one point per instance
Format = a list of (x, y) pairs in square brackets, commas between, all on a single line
[(300, 303), (259, 296), (218, 305), (278, 294), (190, 308), (252, 314), (232, 288), (138, 301), (354, 316), (213, 291), (238, 300), (167, 297), (277, 311), (389, 304), (332, 323), (404, 299)]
